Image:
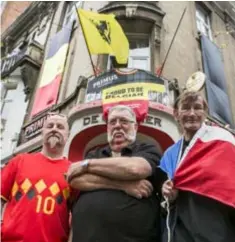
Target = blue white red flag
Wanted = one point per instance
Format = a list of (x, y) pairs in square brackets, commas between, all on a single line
[(207, 166)]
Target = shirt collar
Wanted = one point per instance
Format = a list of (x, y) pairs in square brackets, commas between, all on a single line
[(126, 150)]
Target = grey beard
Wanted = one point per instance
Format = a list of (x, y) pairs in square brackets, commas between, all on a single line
[(53, 141)]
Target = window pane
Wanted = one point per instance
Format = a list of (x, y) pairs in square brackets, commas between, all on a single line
[(198, 24), (203, 21), (70, 14), (6, 103), (6, 108), (139, 54), (138, 43), (139, 63)]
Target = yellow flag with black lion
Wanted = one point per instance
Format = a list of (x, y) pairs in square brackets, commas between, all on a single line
[(104, 35)]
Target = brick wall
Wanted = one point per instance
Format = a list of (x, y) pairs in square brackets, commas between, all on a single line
[(11, 11)]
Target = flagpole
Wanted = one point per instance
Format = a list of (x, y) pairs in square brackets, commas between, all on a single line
[(93, 66), (164, 62)]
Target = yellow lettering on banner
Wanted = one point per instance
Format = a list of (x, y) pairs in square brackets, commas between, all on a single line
[(155, 87), (130, 92)]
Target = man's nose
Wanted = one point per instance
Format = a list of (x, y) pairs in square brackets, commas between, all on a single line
[(117, 123), (54, 128), (192, 111)]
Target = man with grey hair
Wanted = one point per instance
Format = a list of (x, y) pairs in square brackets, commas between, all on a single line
[(118, 185)]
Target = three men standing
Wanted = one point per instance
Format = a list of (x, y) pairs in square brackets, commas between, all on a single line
[(119, 183)]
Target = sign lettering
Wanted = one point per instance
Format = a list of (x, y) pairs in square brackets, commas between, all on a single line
[(153, 121), (35, 127), (94, 119), (9, 63)]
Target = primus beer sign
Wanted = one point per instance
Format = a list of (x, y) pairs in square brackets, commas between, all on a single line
[(133, 88)]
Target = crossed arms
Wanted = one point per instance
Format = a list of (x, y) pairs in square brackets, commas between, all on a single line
[(128, 174)]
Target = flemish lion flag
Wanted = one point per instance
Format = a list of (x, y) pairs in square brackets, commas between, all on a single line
[(104, 35)]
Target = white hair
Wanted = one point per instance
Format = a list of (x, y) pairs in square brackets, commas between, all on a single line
[(123, 108)]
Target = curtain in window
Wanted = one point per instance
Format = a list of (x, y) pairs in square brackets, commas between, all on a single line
[(218, 100)]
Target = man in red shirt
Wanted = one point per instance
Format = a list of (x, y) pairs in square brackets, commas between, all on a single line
[(35, 190)]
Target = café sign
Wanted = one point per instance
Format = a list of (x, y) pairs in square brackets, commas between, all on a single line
[(9, 63), (96, 119), (35, 127)]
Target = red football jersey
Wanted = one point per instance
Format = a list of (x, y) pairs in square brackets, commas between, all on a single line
[(37, 197)]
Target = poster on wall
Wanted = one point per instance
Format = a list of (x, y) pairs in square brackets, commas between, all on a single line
[(132, 87)]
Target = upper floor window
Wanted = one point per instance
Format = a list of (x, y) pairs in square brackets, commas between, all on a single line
[(203, 21), (7, 96), (13, 110), (139, 52), (70, 12)]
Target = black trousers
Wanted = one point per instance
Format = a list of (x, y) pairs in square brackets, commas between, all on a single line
[(200, 219)]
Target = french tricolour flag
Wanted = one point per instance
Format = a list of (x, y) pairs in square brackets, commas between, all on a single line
[(207, 166)]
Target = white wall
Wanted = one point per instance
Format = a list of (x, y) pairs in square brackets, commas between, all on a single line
[(41, 36), (15, 117)]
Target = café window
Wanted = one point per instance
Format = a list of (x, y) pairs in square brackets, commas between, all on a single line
[(203, 21)]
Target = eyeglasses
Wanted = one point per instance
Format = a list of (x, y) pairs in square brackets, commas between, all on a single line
[(121, 121)]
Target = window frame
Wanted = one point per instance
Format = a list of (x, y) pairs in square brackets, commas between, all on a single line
[(5, 100), (71, 14), (203, 16), (138, 36)]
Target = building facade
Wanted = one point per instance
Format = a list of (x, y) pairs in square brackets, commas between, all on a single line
[(206, 28)]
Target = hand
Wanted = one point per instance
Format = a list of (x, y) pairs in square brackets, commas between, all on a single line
[(75, 169), (169, 191), (138, 189)]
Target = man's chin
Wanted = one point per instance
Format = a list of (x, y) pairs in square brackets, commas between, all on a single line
[(117, 147), (53, 143), (192, 127), (119, 139)]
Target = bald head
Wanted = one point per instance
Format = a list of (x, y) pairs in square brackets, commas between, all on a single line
[(55, 131)]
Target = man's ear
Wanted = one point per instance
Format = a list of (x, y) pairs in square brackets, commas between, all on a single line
[(136, 126), (176, 114)]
